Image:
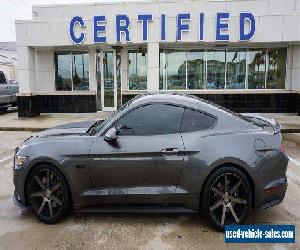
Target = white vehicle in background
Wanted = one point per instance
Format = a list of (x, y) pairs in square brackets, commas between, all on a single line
[(8, 91)]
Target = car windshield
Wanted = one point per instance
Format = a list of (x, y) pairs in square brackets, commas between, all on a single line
[(99, 125)]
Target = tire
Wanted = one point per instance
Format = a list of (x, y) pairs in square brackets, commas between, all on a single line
[(47, 194), (230, 204), (3, 109)]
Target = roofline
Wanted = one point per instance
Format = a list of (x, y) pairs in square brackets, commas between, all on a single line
[(114, 2)]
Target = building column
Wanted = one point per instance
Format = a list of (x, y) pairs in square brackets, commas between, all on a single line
[(124, 69), (26, 69), (92, 70), (153, 67), (295, 68), (289, 67), (28, 103)]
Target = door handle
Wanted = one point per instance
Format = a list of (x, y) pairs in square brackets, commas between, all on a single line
[(170, 150)]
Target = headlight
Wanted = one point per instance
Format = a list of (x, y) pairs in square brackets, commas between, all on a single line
[(20, 160)]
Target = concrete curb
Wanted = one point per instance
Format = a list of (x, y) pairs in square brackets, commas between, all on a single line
[(283, 131)]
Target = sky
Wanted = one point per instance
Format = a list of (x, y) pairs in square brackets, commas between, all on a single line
[(11, 10)]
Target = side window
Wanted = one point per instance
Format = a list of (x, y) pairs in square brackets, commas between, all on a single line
[(152, 119), (195, 121), (2, 78)]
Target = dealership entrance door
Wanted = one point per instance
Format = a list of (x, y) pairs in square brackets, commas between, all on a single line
[(108, 80)]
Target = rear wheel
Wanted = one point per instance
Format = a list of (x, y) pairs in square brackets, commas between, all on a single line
[(227, 197), (47, 193)]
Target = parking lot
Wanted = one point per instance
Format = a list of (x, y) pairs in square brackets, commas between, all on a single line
[(20, 229)]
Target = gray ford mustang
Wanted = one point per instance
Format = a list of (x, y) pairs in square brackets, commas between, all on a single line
[(157, 153)]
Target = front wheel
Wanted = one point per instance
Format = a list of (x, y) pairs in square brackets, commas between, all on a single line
[(227, 197), (47, 193)]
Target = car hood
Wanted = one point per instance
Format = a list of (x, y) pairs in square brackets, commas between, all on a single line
[(74, 128)]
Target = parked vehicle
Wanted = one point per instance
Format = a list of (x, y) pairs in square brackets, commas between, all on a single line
[(163, 152), (8, 91)]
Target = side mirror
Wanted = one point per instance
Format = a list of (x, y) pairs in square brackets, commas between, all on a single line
[(111, 135)]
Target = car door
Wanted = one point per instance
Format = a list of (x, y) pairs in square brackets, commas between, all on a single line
[(196, 132), (144, 164)]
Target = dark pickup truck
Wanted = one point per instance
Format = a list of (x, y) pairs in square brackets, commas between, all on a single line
[(8, 91)]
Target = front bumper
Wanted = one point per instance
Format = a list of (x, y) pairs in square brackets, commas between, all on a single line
[(19, 177)]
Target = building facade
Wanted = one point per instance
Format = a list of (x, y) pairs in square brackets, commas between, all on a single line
[(242, 54)]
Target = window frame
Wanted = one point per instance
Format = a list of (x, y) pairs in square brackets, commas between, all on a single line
[(136, 51), (164, 74), (140, 106), (70, 53), (202, 112)]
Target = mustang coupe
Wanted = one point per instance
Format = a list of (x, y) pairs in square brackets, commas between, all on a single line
[(157, 153)]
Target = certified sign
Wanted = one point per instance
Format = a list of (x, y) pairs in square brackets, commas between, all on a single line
[(122, 27)]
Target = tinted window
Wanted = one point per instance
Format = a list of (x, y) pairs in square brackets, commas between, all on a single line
[(2, 78), (194, 120), (152, 119)]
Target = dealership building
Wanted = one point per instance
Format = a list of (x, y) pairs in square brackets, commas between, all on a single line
[(242, 54)]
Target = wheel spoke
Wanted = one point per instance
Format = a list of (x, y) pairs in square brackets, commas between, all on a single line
[(48, 178), (42, 206), (235, 187), (50, 208), (225, 186), (55, 187), (218, 203), (57, 200), (37, 194), (38, 180), (233, 213), (217, 191), (223, 215), (238, 200)]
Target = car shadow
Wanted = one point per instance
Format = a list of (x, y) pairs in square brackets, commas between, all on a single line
[(9, 110)]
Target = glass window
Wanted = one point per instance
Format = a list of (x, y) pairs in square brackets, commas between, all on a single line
[(137, 70), (80, 71), (63, 72), (215, 70), (256, 69), (151, 119), (71, 71), (195, 121), (180, 70), (195, 69), (176, 70), (108, 76), (276, 69), (162, 70), (235, 69), (2, 78)]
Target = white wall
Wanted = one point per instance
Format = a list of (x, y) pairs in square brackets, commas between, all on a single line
[(277, 21)]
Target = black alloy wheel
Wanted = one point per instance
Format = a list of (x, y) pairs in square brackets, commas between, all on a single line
[(47, 193), (227, 197)]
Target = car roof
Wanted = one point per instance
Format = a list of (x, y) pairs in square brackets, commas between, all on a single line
[(175, 98)]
